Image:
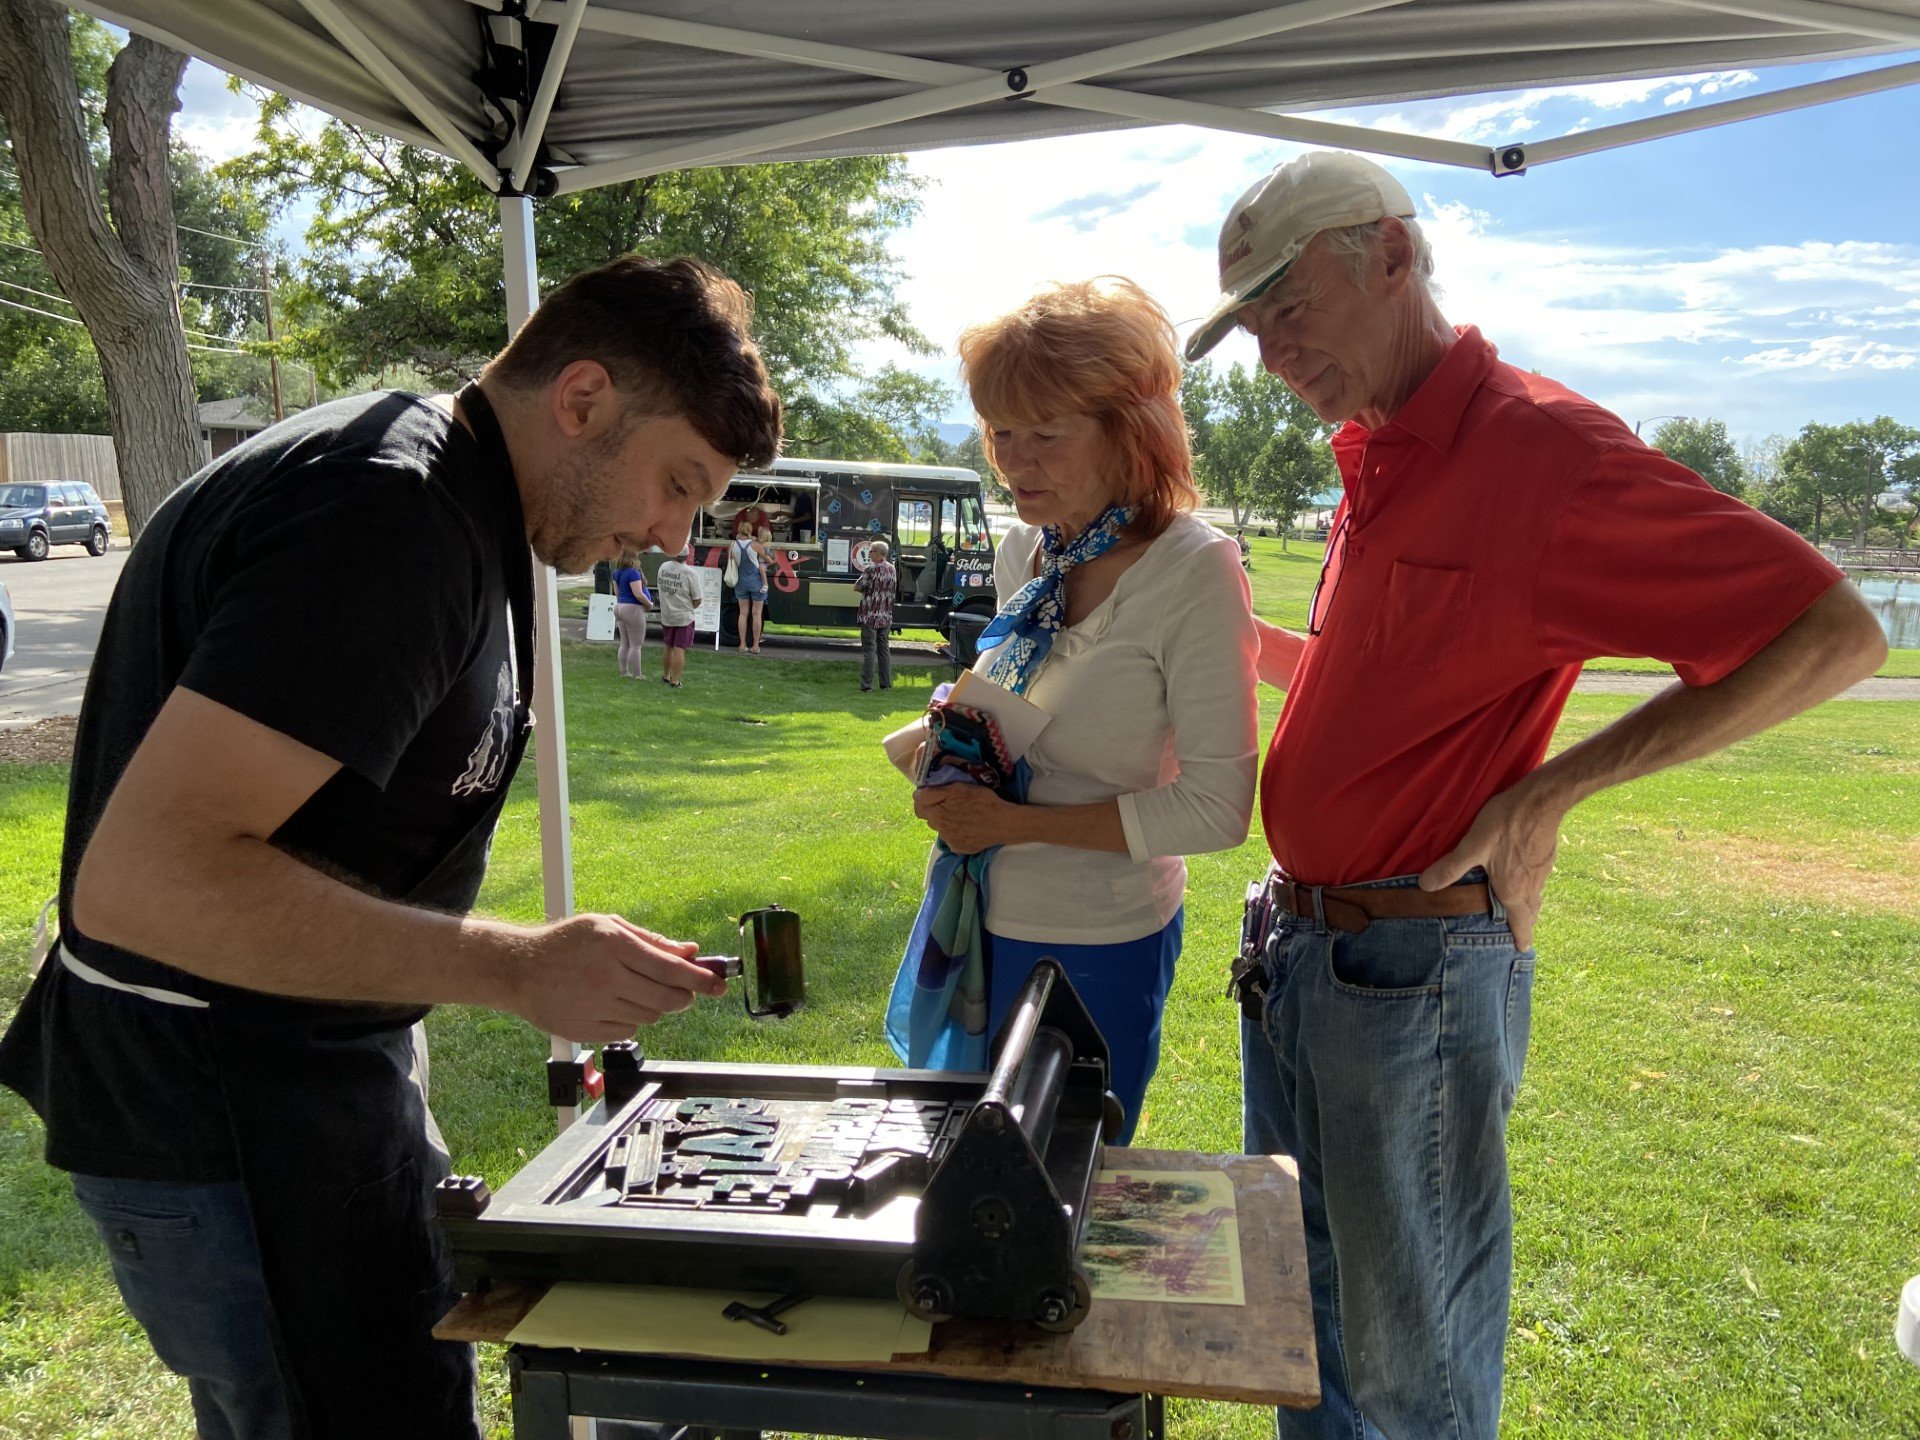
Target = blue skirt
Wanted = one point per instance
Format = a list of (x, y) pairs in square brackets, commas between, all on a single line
[(1124, 988)]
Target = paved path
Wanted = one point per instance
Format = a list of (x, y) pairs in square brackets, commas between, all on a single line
[(1603, 682), (59, 604), (918, 652)]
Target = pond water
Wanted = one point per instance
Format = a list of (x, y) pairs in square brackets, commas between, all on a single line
[(1897, 603)]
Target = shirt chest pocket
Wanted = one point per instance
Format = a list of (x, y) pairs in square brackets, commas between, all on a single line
[(1423, 618)]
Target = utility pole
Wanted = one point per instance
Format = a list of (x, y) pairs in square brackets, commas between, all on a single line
[(273, 360)]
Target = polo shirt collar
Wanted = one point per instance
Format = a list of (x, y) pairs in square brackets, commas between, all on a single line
[(1433, 413)]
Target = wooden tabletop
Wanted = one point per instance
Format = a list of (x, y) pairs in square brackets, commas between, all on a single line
[(1261, 1352)]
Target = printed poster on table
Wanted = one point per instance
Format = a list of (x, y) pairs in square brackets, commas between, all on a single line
[(1168, 1235)]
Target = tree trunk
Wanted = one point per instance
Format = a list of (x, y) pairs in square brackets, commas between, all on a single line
[(121, 274)]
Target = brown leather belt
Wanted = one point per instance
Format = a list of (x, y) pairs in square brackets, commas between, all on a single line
[(1352, 909)]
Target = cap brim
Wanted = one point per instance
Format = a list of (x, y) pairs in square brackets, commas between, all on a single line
[(1212, 330), (1219, 321)]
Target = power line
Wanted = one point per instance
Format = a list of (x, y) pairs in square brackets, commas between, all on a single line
[(190, 229), (36, 310), (214, 235), (211, 349), (43, 294)]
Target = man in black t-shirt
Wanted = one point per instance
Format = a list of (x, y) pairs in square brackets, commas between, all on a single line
[(309, 698)]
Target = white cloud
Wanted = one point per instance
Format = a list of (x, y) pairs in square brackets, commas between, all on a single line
[(1837, 353), (1699, 323), (217, 138), (1495, 118), (213, 119)]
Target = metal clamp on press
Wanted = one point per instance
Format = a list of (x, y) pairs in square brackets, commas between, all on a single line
[(999, 1226)]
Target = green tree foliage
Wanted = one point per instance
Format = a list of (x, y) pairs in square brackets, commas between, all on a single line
[(49, 371), (893, 416), (1705, 448), (1844, 471), (970, 452), (1771, 489), (1259, 449), (404, 265)]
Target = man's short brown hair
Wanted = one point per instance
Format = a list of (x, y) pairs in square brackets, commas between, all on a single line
[(673, 334)]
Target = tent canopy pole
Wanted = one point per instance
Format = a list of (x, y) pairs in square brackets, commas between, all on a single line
[(549, 707)]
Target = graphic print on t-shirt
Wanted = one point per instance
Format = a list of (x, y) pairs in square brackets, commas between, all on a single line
[(488, 761)]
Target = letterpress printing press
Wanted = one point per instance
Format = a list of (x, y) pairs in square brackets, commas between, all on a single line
[(962, 1195)]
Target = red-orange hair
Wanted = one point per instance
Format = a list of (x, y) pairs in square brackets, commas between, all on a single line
[(1100, 347)]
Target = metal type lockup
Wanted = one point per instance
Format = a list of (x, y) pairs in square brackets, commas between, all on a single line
[(961, 1194)]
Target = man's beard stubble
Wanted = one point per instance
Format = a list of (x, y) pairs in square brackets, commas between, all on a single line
[(579, 496)]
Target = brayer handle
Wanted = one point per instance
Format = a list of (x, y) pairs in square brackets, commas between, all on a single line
[(722, 967)]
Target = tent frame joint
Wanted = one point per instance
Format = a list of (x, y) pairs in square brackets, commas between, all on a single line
[(1508, 160), (542, 183)]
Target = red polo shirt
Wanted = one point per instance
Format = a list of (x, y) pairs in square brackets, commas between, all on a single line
[(1500, 530)]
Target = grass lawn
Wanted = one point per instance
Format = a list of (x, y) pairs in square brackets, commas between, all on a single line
[(1716, 1153)]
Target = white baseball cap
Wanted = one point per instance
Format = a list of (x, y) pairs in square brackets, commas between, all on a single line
[(1270, 225)]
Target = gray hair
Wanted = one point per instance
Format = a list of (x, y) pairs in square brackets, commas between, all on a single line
[(1354, 245), (879, 548)]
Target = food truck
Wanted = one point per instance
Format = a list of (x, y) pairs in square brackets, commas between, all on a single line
[(825, 513)]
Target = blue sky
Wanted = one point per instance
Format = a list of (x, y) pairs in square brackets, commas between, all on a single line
[(1765, 273)]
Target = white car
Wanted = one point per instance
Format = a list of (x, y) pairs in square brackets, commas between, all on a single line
[(6, 626)]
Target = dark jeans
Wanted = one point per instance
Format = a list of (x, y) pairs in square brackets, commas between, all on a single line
[(876, 644), (187, 1265), (299, 1300)]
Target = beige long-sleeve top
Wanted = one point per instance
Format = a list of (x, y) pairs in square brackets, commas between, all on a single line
[(1152, 699)]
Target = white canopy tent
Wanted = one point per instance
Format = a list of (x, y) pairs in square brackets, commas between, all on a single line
[(539, 97)]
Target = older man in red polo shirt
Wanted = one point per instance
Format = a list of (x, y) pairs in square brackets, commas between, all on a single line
[(1496, 531)]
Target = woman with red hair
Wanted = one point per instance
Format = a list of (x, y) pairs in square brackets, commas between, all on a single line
[(1128, 621)]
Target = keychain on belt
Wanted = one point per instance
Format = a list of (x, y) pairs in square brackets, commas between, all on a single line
[(1247, 983)]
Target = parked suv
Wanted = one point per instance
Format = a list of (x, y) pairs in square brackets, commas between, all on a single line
[(34, 518)]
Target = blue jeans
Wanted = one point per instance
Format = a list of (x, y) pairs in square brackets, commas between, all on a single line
[(188, 1267), (1124, 987), (1386, 1063)]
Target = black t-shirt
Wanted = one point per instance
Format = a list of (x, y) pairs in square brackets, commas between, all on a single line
[(356, 578)]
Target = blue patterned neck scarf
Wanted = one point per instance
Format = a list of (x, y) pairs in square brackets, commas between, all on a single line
[(1036, 614)]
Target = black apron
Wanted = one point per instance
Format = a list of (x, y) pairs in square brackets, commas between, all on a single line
[(340, 1180)]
